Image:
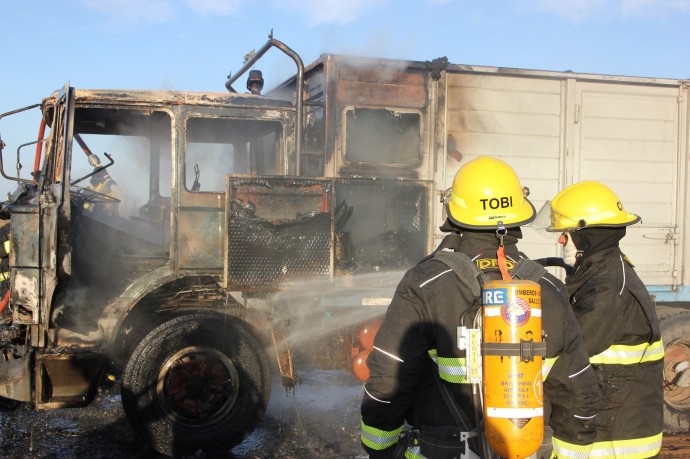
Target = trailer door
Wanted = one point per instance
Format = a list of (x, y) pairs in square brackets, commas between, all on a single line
[(519, 120), (627, 136)]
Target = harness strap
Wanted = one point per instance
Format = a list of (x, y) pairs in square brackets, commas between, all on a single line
[(525, 349), (527, 269), (466, 270)]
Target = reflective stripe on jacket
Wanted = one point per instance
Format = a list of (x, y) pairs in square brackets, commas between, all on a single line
[(637, 448), (453, 370), (622, 354), (378, 439)]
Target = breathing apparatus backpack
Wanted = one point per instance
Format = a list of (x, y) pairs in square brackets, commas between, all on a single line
[(504, 352)]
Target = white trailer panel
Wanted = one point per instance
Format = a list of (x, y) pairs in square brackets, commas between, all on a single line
[(627, 137), (556, 129)]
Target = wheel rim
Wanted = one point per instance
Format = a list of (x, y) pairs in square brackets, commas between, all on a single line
[(675, 353), (197, 385)]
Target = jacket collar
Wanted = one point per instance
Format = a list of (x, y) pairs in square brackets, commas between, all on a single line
[(588, 267), (481, 246)]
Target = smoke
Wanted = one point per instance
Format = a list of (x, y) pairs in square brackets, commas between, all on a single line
[(318, 309), (130, 169)]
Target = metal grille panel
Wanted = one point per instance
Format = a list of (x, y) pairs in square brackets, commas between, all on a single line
[(272, 249)]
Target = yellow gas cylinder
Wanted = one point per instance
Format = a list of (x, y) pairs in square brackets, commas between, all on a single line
[(512, 353)]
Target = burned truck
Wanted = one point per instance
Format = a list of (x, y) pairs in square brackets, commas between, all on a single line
[(188, 246), (197, 247)]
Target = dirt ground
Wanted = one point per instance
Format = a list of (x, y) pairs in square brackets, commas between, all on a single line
[(320, 419)]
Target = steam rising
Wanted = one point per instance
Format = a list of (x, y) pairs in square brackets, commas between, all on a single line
[(320, 308)]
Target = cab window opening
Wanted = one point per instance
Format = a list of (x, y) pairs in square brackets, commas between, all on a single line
[(219, 146)]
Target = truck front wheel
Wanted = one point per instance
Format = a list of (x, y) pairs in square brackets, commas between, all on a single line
[(198, 381), (675, 332)]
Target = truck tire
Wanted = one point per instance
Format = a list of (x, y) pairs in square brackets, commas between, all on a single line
[(675, 333), (200, 381)]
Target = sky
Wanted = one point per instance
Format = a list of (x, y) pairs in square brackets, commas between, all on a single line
[(192, 45)]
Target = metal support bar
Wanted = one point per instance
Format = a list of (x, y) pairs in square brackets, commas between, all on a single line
[(272, 42)]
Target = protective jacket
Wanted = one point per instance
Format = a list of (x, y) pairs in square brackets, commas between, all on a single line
[(418, 338), (107, 194), (623, 339), (4, 254), (5, 315)]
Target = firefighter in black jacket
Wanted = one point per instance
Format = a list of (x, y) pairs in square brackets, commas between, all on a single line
[(617, 318), (416, 356), (5, 315)]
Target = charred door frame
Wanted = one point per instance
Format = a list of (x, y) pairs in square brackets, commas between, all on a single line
[(33, 254), (195, 236)]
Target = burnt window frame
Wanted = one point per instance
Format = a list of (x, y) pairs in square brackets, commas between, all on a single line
[(280, 142), (344, 126), (158, 183)]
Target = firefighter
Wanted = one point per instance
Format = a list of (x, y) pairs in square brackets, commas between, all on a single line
[(104, 187), (617, 317), (416, 358), (5, 316)]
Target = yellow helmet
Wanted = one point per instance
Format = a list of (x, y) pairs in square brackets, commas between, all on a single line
[(487, 191), (588, 204)]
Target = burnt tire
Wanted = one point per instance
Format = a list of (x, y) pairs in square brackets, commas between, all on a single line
[(675, 333), (198, 381)]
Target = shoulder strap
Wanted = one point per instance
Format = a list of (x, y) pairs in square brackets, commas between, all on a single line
[(469, 274), (465, 269), (527, 269)]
